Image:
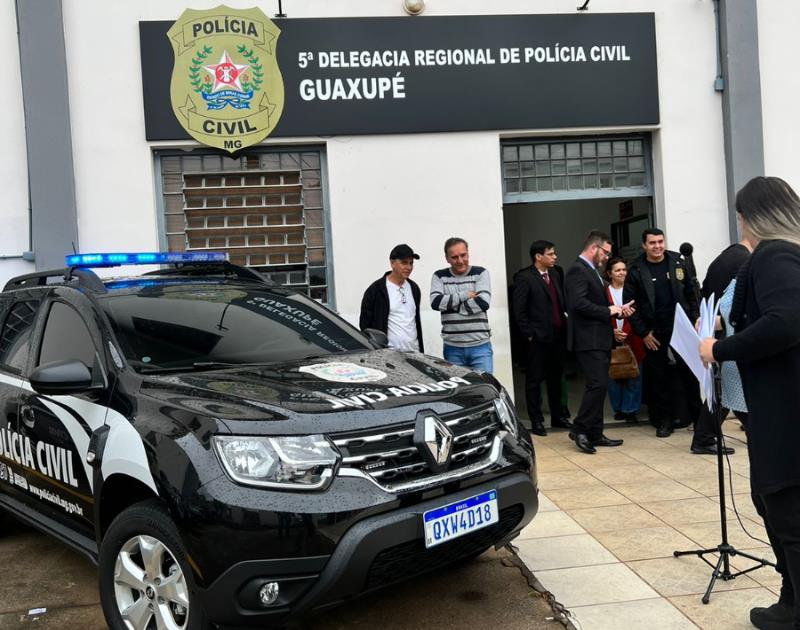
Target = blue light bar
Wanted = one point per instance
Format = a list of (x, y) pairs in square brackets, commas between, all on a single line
[(142, 258)]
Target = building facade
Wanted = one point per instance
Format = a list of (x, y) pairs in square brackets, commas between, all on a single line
[(320, 210)]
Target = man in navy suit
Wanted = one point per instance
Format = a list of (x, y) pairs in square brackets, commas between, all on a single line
[(591, 336), (539, 312)]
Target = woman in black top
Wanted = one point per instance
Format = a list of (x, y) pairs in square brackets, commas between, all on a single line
[(766, 346)]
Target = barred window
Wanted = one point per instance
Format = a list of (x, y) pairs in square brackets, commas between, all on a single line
[(584, 165), (264, 209)]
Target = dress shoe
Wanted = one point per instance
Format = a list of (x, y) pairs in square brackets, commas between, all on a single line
[(561, 424), (606, 441), (711, 449), (665, 430), (537, 428), (583, 442), (618, 415), (631, 418), (779, 616)]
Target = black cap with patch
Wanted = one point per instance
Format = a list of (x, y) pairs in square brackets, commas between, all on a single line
[(402, 251)]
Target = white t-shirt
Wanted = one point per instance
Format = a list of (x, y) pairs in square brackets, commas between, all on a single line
[(402, 330), (616, 296)]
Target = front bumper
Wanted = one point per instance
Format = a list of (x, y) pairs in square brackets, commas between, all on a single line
[(375, 552)]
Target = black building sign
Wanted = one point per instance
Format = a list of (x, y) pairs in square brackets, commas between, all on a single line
[(430, 74)]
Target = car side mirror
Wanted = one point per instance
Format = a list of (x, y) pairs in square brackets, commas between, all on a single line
[(378, 337), (68, 376)]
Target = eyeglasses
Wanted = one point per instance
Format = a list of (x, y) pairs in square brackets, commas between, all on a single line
[(607, 252), (402, 292)]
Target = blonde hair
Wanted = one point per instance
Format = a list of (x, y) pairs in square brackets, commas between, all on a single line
[(771, 209)]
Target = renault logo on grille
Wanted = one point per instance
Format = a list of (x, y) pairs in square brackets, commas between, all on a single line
[(433, 439)]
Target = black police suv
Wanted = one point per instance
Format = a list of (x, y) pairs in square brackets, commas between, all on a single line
[(231, 453)]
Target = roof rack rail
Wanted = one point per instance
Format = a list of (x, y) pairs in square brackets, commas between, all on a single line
[(86, 279), (213, 269)]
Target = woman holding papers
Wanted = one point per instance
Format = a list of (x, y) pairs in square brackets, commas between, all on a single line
[(766, 316)]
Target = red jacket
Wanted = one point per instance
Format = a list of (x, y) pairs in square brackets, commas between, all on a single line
[(633, 340)]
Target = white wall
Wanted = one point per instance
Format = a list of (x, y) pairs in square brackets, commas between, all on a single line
[(114, 179), (688, 150), (779, 49), (390, 190)]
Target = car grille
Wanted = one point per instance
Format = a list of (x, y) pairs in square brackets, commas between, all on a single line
[(389, 456), (413, 558)]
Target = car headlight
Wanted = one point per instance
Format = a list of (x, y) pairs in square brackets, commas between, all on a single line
[(506, 413), (305, 462)]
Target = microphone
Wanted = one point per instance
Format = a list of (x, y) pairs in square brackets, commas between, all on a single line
[(686, 250)]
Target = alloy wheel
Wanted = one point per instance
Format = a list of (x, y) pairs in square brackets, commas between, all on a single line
[(149, 586)]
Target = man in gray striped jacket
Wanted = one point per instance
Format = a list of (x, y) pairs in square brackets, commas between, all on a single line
[(462, 293)]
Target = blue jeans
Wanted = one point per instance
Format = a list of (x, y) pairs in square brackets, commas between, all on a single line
[(478, 357), (626, 395)]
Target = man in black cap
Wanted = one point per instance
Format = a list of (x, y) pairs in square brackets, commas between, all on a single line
[(391, 303)]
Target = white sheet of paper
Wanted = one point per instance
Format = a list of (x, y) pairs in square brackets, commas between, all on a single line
[(685, 341)]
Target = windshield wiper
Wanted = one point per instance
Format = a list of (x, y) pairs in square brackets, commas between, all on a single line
[(210, 365), (201, 365)]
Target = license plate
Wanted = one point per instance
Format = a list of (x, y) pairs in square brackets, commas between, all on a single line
[(457, 519)]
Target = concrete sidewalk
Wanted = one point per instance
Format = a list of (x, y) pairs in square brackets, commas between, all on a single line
[(609, 522)]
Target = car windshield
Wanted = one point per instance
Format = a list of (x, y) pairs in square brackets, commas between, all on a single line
[(178, 326)]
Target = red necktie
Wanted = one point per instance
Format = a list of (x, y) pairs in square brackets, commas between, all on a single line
[(555, 313)]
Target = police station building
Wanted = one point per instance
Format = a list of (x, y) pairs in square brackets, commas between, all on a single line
[(307, 146)]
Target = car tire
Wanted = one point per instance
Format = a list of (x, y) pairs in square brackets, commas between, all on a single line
[(144, 577)]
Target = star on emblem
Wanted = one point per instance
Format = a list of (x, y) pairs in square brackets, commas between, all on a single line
[(226, 73)]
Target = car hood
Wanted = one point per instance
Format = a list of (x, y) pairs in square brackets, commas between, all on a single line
[(337, 392)]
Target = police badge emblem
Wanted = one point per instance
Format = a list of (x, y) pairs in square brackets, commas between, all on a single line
[(226, 88), (679, 275), (341, 372)]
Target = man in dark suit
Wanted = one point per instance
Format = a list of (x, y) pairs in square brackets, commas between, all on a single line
[(538, 306), (590, 335)]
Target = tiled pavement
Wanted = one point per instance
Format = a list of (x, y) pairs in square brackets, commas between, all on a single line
[(608, 523)]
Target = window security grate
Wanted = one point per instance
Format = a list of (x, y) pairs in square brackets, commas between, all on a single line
[(264, 209)]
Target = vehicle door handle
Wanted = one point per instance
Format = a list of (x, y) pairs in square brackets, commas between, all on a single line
[(27, 415)]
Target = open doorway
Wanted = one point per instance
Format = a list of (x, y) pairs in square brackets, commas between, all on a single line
[(559, 189), (566, 223)]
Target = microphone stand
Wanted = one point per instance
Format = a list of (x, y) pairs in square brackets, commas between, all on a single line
[(722, 569)]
